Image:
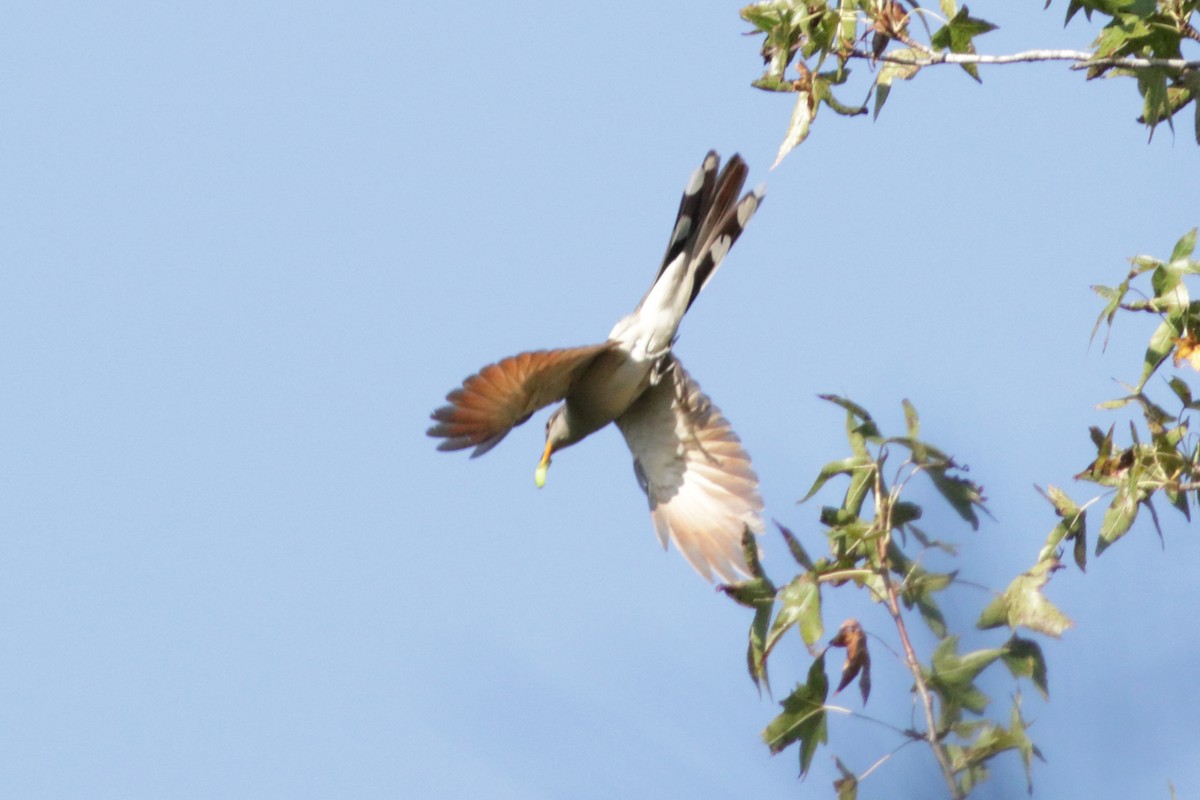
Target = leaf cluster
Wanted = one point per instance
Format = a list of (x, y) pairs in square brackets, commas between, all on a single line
[(1161, 457), (820, 38), (875, 543), (1148, 29)]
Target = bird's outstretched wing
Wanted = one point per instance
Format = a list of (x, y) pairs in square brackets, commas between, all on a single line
[(702, 490), (501, 396)]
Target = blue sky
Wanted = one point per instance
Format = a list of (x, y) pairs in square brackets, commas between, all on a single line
[(246, 249)]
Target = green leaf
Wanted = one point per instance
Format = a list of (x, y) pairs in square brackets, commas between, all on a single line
[(800, 605), (912, 422), (1114, 297), (958, 36), (1161, 345), (1023, 605), (1181, 390), (891, 72), (1121, 512), (962, 495), (861, 484), (844, 466), (795, 548), (1152, 84), (952, 678), (1024, 659), (904, 512), (927, 542), (1072, 526), (854, 408), (988, 740), (1184, 247), (1165, 280), (756, 653), (847, 785), (750, 552), (932, 615), (803, 719), (754, 593), (1017, 731)]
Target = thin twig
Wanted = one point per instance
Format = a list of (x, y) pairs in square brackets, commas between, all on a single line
[(852, 713), (884, 758)]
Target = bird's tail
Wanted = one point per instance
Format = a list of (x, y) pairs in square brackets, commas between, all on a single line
[(710, 219)]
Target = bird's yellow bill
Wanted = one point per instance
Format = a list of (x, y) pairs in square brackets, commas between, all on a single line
[(539, 475)]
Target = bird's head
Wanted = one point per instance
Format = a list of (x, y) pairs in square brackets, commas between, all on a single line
[(557, 436)]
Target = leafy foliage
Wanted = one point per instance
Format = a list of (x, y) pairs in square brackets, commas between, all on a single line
[(1164, 459), (874, 544), (1143, 39)]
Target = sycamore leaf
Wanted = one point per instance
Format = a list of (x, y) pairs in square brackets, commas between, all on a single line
[(1121, 512), (1072, 526), (1162, 341), (1022, 604), (962, 495), (912, 422), (803, 718), (958, 36), (931, 614), (1114, 296), (891, 72), (800, 605), (1184, 248), (847, 785), (750, 552), (844, 466), (756, 653), (986, 741), (1152, 83), (754, 593), (1181, 390), (1017, 730), (857, 411), (1024, 659), (1182, 253), (795, 548), (952, 678)]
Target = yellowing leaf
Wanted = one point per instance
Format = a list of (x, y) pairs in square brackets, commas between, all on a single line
[(1187, 348), (802, 116)]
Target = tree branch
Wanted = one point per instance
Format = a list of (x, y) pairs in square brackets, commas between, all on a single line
[(1083, 59), (883, 516)]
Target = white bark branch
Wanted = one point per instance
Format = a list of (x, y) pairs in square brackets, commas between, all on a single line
[(1083, 58)]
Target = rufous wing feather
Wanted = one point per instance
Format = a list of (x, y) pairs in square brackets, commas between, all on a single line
[(501, 396)]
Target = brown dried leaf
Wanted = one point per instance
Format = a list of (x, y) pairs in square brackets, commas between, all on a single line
[(858, 660)]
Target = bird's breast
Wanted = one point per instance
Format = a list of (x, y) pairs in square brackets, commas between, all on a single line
[(609, 386)]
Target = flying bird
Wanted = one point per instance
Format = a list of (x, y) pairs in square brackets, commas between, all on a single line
[(702, 490)]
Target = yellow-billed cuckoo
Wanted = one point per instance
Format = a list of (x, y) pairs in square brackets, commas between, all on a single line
[(702, 490)]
